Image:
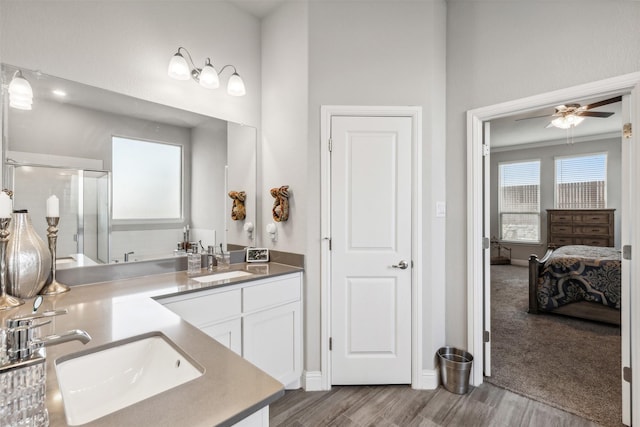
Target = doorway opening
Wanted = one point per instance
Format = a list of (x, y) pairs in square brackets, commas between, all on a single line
[(538, 173), (478, 272)]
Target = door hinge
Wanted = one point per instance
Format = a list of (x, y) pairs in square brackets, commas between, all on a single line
[(486, 336), (486, 243), (330, 344), (329, 240), (330, 144), (485, 150), (626, 252), (626, 374), (626, 131)]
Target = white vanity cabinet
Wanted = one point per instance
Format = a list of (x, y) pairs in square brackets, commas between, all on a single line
[(261, 320)]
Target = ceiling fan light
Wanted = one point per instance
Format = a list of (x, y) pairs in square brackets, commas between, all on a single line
[(235, 87), (568, 121), (178, 68), (209, 76), (20, 92)]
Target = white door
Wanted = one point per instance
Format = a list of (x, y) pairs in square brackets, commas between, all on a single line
[(486, 226), (371, 250)]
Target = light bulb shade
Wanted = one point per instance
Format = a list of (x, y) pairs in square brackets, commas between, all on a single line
[(235, 87), (568, 121), (178, 68), (20, 92), (209, 76)]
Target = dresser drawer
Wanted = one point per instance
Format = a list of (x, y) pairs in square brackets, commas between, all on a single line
[(271, 294), (592, 241), (561, 229), (560, 241), (201, 310), (592, 230), (561, 218), (595, 218)]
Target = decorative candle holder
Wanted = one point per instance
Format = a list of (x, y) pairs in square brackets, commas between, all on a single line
[(6, 301), (54, 287)]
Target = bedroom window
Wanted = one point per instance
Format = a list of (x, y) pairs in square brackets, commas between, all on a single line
[(581, 182), (519, 201), (146, 180)]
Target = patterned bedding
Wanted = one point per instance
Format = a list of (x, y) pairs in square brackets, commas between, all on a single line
[(580, 273)]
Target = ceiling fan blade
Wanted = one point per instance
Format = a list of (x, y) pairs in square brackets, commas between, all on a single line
[(532, 117), (604, 102), (600, 114)]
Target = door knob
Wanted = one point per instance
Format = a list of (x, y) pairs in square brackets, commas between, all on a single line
[(402, 265)]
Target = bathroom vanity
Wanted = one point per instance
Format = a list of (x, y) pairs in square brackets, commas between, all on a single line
[(256, 317)]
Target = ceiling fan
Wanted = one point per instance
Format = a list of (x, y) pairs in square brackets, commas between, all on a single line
[(570, 115)]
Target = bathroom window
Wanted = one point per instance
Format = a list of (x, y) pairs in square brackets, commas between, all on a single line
[(147, 180), (519, 201)]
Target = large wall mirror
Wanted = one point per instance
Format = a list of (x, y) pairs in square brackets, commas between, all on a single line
[(133, 177)]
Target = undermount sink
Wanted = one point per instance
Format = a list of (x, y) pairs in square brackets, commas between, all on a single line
[(110, 378), (221, 276)]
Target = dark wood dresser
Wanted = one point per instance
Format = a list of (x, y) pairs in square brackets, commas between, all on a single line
[(593, 227)]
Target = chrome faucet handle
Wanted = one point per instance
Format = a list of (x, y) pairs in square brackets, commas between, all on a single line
[(21, 343), (27, 319)]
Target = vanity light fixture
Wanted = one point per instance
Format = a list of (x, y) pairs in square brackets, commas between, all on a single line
[(207, 76), (20, 92)]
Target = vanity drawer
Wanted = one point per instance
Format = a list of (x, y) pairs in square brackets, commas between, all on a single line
[(205, 309), (271, 294)]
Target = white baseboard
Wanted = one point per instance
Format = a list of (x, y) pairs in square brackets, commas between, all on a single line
[(312, 381), (429, 380)]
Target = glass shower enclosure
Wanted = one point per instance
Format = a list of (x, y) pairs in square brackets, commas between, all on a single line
[(84, 227)]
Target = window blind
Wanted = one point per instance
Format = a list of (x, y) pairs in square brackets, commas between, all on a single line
[(519, 201), (581, 182)]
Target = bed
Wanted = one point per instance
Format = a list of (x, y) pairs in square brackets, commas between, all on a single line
[(577, 280)]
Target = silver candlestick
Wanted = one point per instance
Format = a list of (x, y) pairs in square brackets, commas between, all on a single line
[(6, 301), (53, 287)]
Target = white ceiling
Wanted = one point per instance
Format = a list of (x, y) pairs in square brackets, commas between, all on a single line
[(508, 131), (257, 8)]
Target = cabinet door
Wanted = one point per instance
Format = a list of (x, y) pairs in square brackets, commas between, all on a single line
[(272, 341), (227, 333), (257, 419)]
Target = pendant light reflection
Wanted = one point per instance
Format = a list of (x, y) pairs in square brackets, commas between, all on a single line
[(183, 68), (20, 92)]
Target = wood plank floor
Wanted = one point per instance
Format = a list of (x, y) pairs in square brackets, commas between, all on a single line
[(388, 406)]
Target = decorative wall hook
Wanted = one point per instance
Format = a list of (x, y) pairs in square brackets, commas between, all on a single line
[(281, 204), (238, 211)]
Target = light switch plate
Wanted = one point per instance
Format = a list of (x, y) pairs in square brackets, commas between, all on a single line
[(441, 209)]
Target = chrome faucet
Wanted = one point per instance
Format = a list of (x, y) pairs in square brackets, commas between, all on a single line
[(126, 256), (21, 344)]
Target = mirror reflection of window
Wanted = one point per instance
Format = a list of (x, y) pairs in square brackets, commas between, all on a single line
[(147, 180)]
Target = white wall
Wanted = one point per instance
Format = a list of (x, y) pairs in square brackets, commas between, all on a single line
[(380, 53), (285, 150), (208, 164), (547, 155), (125, 47), (499, 51)]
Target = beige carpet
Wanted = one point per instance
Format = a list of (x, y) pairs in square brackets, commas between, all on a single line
[(568, 363)]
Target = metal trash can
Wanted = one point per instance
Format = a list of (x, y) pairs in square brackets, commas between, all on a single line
[(455, 369)]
